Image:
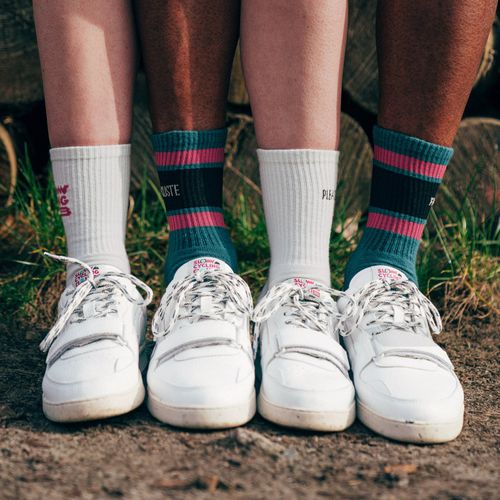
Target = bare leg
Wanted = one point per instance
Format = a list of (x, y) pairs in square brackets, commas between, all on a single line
[(87, 51), (188, 48), (292, 54), (429, 53), (428, 57)]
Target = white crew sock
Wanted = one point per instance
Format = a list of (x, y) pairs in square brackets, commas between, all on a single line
[(298, 188), (92, 185)]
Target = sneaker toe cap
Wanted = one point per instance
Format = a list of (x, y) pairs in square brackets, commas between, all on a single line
[(411, 394), (293, 382), (207, 381), (80, 375)]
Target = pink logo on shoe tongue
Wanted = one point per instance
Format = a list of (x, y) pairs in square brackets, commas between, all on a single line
[(207, 264), (385, 273), (307, 284), (82, 275)]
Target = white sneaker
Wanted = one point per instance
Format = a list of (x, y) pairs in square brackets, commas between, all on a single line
[(305, 379), (405, 384), (93, 349), (201, 373)]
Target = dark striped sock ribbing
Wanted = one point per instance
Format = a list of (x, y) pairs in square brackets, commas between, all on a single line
[(190, 168), (407, 172)]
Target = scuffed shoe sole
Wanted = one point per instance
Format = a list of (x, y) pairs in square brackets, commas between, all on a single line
[(203, 418), (410, 432), (96, 409), (324, 421)]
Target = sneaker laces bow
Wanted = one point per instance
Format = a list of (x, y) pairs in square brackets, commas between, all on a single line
[(395, 304), (204, 294), (310, 309), (100, 290)]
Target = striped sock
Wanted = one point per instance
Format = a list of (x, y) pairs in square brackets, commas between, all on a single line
[(407, 172), (190, 165)]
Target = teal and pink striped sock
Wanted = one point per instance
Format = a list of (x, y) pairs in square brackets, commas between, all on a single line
[(407, 172), (190, 165)]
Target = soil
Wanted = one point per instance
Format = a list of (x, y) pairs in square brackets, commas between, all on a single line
[(134, 456)]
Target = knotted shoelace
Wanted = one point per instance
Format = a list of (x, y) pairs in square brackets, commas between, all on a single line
[(101, 291), (205, 294), (382, 298), (312, 313)]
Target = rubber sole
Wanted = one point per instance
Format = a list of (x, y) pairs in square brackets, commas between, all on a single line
[(410, 432), (324, 421), (111, 405), (202, 418)]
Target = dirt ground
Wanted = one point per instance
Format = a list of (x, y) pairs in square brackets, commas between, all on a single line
[(136, 457)]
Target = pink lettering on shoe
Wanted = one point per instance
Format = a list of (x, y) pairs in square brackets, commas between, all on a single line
[(385, 273), (207, 264), (82, 275), (307, 284)]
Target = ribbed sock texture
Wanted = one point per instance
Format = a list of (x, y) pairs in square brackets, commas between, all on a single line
[(298, 188), (190, 167), (407, 172), (92, 184)]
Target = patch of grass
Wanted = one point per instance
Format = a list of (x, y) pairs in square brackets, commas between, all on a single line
[(459, 259), (458, 262)]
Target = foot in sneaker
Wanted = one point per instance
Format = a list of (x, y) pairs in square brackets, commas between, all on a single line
[(305, 380), (405, 384), (93, 349), (201, 373)]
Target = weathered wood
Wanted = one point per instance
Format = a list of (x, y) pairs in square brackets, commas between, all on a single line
[(473, 172), (20, 75), (8, 166), (143, 166), (360, 77), (237, 90), (361, 69)]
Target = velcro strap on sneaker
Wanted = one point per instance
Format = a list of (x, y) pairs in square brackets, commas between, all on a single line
[(313, 344), (81, 342), (191, 337), (430, 352), (194, 344), (77, 335)]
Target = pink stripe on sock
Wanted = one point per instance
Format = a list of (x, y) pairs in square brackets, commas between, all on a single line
[(408, 163), (189, 157), (395, 225), (195, 219)]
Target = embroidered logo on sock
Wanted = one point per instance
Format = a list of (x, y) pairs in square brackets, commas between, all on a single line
[(82, 275), (433, 199), (328, 194), (307, 284), (170, 190), (62, 198), (207, 264), (389, 274)]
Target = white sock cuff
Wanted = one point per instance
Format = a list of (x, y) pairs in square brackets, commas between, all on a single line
[(89, 152), (297, 157)]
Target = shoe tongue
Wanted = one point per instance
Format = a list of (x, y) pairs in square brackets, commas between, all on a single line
[(375, 273), (82, 274), (200, 264)]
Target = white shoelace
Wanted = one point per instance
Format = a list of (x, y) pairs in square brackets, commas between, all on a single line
[(203, 295), (102, 291), (308, 310), (395, 305)]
